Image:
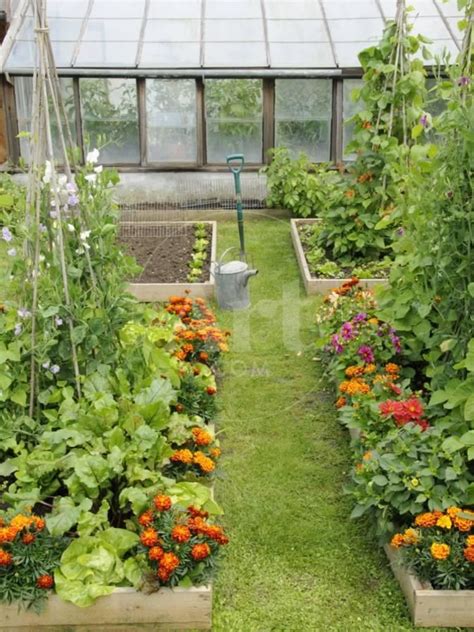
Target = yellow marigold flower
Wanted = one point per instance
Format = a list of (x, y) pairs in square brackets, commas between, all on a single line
[(373, 321), (444, 522), (440, 551), (354, 371), (370, 368), (397, 541), (20, 522), (411, 536), (359, 467), (367, 455), (453, 512), (216, 452), (470, 540)]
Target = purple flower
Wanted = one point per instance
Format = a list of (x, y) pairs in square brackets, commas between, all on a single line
[(73, 200), (464, 81), (336, 343), (449, 195), (347, 331), (396, 343), (424, 120), (6, 234), (366, 353), (400, 232), (71, 187), (359, 317), (23, 312), (58, 321), (18, 329), (11, 252), (55, 369)]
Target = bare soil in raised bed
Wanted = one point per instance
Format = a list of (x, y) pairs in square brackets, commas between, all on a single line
[(164, 251)]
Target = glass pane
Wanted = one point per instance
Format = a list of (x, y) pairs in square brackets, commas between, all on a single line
[(349, 109), (24, 104), (297, 31), (173, 31), (97, 54), (110, 118), (293, 9), (234, 119), (356, 30), (234, 30), (171, 120), (173, 9), (349, 9), (117, 9), (113, 30), (303, 113), (69, 9), (170, 55), (233, 9), (62, 53), (235, 54), (292, 55), (433, 27), (22, 56), (347, 53)]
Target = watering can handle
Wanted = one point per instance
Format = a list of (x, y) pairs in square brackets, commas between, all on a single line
[(235, 158)]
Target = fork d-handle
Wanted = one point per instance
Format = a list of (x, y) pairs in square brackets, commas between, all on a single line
[(236, 163)]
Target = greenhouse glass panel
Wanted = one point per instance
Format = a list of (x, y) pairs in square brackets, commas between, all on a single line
[(117, 9), (113, 30), (62, 29), (24, 106), (234, 30), (110, 118), (233, 9), (303, 117), (297, 31), (293, 9), (170, 55), (235, 54), (98, 54), (356, 30), (335, 9), (173, 31), (296, 55), (171, 120), (173, 9), (234, 119), (349, 109)]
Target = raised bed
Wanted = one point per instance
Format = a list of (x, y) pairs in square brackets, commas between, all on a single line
[(314, 285), (430, 607), (125, 609), (164, 249)]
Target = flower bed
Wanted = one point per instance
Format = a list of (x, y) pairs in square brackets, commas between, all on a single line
[(313, 284), (176, 257), (408, 474)]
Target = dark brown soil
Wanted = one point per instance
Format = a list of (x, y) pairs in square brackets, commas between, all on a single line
[(164, 251)]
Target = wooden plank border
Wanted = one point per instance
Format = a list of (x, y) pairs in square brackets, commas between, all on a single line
[(430, 607), (125, 609), (151, 292), (314, 285)]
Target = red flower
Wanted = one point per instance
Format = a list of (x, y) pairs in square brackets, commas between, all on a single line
[(180, 533), (162, 503), (45, 582), (200, 551), (211, 390), (28, 538), (149, 537), (146, 518), (155, 553)]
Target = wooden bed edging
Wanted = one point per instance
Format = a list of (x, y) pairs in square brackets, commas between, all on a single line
[(159, 292), (430, 607), (125, 609), (313, 285)]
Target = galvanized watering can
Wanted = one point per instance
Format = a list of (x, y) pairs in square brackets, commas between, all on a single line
[(232, 278)]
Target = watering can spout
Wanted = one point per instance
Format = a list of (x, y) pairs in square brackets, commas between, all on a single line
[(248, 274)]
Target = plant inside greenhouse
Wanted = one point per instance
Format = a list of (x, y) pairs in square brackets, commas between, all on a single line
[(236, 315)]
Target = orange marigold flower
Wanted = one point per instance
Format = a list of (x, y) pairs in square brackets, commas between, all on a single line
[(354, 371), (453, 512), (146, 518), (5, 558), (45, 581), (340, 402), (8, 534), (211, 390), (163, 575), (197, 524), (200, 551), (28, 538), (426, 520), (367, 455), (410, 536), (180, 533), (392, 368), (216, 452), (463, 524), (155, 553), (397, 541), (350, 193), (201, 436), (373, 321), (20, 522), (469, 554), (196, 512), (206, 464), (39, 523), (444, 522), (366, 125), (170, 562), (440, 551), (182, 456), (204, 356), (370, 368), (162, 502), (149, 537)]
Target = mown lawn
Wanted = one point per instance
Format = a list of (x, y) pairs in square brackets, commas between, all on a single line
[(295, 562)]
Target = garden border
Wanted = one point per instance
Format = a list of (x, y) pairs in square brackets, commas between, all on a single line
[(312, 284), (430, 607), (124, 610), (150, 292)]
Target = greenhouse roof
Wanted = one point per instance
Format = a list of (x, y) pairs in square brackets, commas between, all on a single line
[(217, 36)]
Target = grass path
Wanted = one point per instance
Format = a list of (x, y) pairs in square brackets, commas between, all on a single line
[(296, 562)]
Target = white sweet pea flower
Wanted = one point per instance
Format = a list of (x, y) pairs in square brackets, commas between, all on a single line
[(62, 181), (86, 246), (92, 177), (47, 172), (70, 228), (99, 169), (85, 235), (92, 157)]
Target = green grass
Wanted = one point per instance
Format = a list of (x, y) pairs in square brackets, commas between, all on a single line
[(295, 562)]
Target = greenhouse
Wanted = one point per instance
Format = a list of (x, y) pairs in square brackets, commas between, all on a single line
[(236, 315)]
